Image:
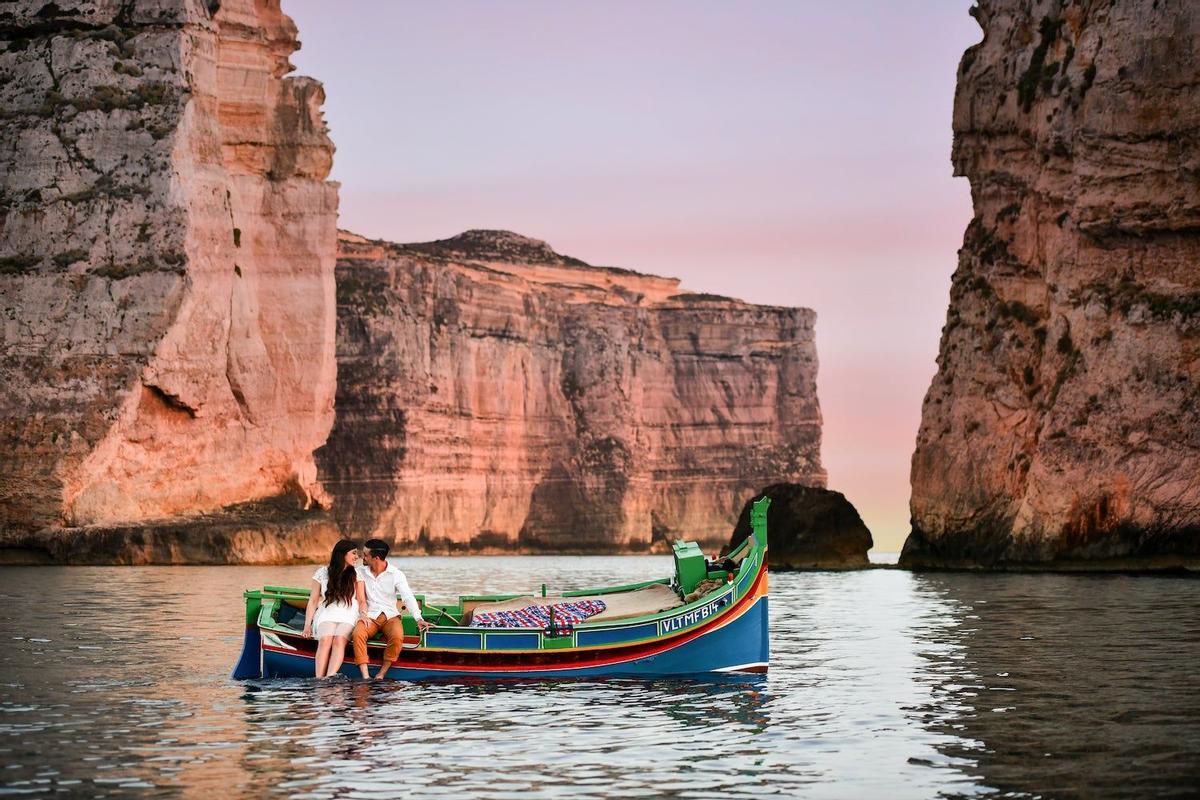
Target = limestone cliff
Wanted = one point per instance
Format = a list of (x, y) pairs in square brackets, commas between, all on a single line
[(166, 261), (494, 394), (1063, 426)]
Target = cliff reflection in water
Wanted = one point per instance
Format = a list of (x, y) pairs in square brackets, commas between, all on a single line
[(883, 683), (1061, 685)]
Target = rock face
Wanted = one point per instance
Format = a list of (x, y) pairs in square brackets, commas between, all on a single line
[(167, 366), (166, 264), (272, 531), (808, 528), (494, 394), (1063, 426)]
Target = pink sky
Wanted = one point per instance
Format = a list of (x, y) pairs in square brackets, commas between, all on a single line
[(792, 153)]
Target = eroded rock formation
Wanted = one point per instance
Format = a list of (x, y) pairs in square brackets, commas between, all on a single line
[(166, 262), (494, 394), (1063, 426), (808, 527)]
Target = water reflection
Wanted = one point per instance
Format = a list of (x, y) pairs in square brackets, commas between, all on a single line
[(533, 737), (1054, 685), (883, 684)]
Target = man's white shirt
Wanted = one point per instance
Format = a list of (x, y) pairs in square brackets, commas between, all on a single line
[(382, 589)]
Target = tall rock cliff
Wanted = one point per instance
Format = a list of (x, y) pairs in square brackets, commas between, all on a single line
[(1063, 426), (495, 394), (166, 261)]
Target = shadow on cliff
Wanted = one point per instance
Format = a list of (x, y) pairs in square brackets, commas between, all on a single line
[(579, 510), (272, 531)]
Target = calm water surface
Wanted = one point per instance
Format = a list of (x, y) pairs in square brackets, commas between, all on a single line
[(114, 682)]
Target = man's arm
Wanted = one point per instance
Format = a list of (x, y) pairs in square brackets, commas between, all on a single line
[(406, 594)]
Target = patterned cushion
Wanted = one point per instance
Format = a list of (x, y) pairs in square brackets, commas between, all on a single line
[(537, 616)]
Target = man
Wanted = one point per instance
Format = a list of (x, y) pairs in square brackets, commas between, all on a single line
[(382, 581)]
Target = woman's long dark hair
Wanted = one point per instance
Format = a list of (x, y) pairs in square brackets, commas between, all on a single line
[(341, 574)]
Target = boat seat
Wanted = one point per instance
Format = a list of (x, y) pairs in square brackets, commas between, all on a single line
[(292, 618)]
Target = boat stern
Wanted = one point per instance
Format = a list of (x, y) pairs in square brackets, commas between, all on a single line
[(250, 663)]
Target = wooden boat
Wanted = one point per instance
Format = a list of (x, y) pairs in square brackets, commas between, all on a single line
[(708, 617)]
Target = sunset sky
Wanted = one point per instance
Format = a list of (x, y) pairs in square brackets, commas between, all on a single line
[(792, 153)]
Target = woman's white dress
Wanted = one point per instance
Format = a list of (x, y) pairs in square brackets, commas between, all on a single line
[(333, 616)]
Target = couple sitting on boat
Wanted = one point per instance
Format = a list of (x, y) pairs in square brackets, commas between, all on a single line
[(352, 601)]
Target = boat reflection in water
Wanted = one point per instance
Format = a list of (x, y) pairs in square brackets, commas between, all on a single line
[(572, 733)]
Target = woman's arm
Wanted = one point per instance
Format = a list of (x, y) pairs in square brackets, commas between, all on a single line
[(360, 594), (314, 597)]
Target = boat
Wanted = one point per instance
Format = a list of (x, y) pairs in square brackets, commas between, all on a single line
[(709, 617)]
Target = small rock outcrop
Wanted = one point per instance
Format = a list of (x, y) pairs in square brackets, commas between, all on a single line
[(166, 263), (495, 395), (808, 527), (1063, 426)]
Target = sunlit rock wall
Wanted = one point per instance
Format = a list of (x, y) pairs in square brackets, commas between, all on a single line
[(494, 394), (1063, 426), (166, 262)]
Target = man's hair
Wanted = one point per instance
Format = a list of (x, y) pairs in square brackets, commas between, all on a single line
[(377, 547)]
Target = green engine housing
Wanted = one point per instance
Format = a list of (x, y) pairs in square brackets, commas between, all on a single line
[(689, 566)]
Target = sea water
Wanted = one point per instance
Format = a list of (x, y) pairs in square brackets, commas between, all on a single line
[(114, 681)]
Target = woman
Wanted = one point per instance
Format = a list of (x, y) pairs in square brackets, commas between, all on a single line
[(334, 599)]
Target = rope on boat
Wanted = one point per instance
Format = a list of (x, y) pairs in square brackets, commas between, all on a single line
[(444, 613)]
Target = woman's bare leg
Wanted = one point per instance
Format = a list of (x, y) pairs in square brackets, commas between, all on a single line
[(335, 658), (323, 646)]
